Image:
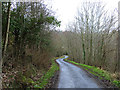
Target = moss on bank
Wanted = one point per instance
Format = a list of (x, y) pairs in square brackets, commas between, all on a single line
[(102, 74), (43, 81), (31, 77)]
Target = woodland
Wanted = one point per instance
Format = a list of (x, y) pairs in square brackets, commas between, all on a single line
[(30, 41)]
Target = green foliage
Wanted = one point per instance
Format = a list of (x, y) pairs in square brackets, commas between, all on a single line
[(116, 82), (44, 79), (31, 26), (42, 82), (53, 21), (28, 30)]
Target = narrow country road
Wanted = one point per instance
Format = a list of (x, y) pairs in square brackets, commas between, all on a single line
[(72, 76)]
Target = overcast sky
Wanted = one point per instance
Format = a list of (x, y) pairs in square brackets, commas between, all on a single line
[(66, 9)]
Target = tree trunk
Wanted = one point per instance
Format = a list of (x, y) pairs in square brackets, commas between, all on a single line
[(83, 47), (7, 32), (119, 37)]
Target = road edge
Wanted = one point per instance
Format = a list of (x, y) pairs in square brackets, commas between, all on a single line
[(95, 78)]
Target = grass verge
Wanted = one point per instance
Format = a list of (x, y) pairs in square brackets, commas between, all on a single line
[(43, 81), (102, 74)]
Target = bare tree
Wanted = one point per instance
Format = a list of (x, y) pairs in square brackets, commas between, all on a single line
[(94, 29)]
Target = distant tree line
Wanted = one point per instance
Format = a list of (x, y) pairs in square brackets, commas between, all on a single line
[(92, 38)]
